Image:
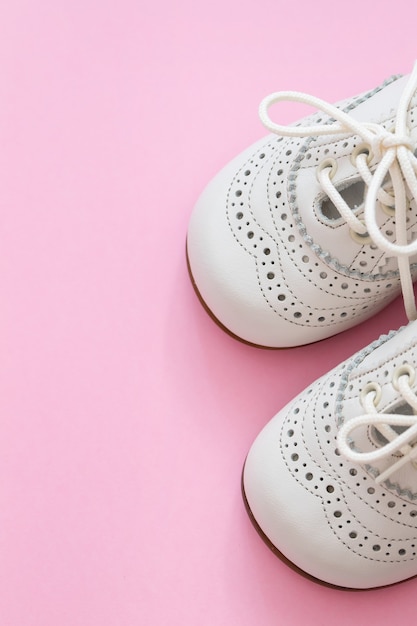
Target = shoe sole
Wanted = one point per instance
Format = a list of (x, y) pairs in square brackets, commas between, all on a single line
[(292, 565), (215, 319)]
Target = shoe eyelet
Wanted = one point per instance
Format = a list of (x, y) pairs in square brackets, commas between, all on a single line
[(403, 370), (369, 388), (327, 164), (388, 210), (362, 148), (358, 238)]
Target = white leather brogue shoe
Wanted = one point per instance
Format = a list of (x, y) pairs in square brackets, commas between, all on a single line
[(331, 481), (313, 229)]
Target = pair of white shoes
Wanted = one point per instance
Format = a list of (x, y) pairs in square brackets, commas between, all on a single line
[(307, 233)]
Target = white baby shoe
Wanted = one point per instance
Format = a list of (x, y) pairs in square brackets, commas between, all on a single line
[(313, 229), (332, 479)]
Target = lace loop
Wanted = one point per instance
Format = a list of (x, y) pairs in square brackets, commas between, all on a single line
[(395, 151)]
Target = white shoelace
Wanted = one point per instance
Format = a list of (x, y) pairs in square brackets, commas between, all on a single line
[(395, 153), (403, 444)]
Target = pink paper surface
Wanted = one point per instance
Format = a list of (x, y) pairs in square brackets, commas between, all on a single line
[(126, 413)]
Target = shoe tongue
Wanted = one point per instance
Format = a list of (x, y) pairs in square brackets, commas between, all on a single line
[(320, 220)]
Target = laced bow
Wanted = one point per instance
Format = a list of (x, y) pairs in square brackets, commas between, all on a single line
[(403, 443), (394, 152)]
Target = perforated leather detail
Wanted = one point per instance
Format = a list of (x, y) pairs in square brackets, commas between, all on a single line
[(340, 484), (350, 289)]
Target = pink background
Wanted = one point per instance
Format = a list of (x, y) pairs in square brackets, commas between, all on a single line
[(126, 414)]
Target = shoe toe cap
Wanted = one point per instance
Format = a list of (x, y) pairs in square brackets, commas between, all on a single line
[(228, 271), (225, 275)]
